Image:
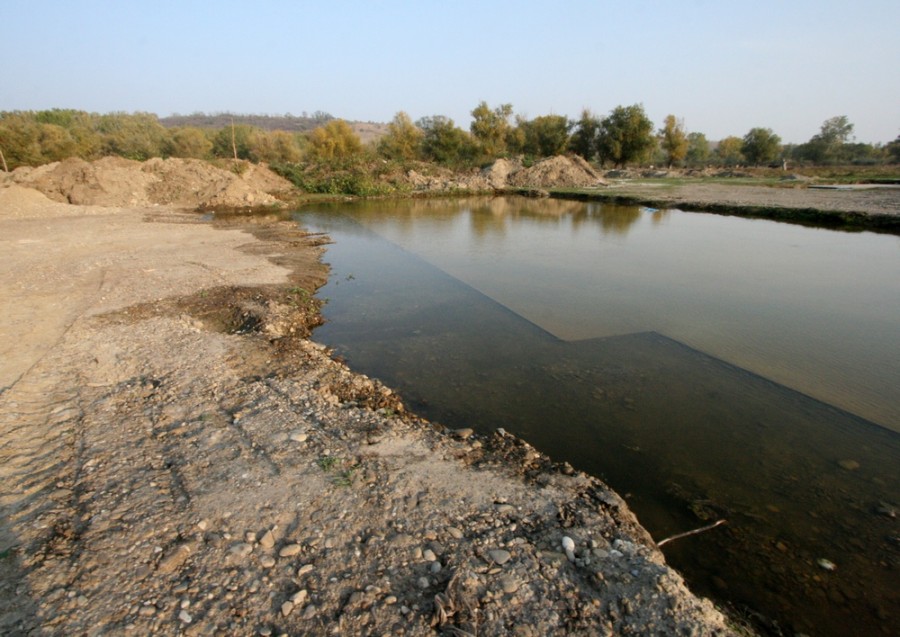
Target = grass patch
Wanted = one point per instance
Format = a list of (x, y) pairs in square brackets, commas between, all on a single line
[(342, 478)]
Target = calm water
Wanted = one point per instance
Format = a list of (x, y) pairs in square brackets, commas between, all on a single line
[(707, 367)]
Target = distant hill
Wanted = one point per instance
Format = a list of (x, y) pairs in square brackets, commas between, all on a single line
[(367, 131)]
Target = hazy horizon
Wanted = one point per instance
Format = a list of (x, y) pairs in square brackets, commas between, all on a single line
[(721, 68)]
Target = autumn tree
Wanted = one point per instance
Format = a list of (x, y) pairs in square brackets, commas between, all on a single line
[(490, 128), (334, 141), (273, 147), (403, 140), (188, 141), (626, 135), (760, 146), (584, 138), (728, 151), (673, 140)]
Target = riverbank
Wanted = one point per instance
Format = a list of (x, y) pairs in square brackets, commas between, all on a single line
[(872, 207), (177, 458)]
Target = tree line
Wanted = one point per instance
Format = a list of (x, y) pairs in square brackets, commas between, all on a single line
[(625, 136)]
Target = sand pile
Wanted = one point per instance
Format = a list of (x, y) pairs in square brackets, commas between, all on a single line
[(498, 173), (557, 172), (191, 183)]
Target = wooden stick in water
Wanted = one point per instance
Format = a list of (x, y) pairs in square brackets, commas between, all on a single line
[(678, 536)]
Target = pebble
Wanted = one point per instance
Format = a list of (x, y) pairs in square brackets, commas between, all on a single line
[(828, 565), (505, 508), (264, 631), (509, 584), (390, 600), (310, 612), (174, 559), (455, 532), (267, 561), (429, 555), (500, 556), (568, 545), (185, 617), (303, 570), (287, 608), (241, 549), (250, 537), (463, 433), (203, 525), (299, 436), (290, 550), (848, 465), (147, 611), (423, 582), (299, 597), (267, 541), (435, 567)]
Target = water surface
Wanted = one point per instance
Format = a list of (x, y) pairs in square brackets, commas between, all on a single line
[(707, 367)]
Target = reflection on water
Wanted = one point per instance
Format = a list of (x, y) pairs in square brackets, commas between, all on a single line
[(815, 310), (689, 437)]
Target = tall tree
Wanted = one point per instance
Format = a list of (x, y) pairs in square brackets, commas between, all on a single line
[(698, 149), (546, 135), (828, 145), (584, 138), (760, 146), (403, 140), (334, 141), (444, 142), (728, 151), (626, 135), (490, 128), (673, 140), (893, 151)]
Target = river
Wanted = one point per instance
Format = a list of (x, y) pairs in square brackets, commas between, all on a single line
[(707, 367)]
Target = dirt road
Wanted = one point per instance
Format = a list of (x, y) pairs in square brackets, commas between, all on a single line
[(177, 459)]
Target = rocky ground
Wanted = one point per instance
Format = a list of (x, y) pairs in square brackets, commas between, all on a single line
[(177, 458)]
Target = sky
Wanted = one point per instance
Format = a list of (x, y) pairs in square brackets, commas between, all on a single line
[(721, 66)]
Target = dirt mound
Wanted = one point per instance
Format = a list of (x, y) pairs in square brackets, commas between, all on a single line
[(193, 183), (498, 173), (557, 172), (111, 181), (14, 196), (438, 179)]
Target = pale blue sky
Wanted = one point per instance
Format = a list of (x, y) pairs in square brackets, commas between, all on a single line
[(723, 67)]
